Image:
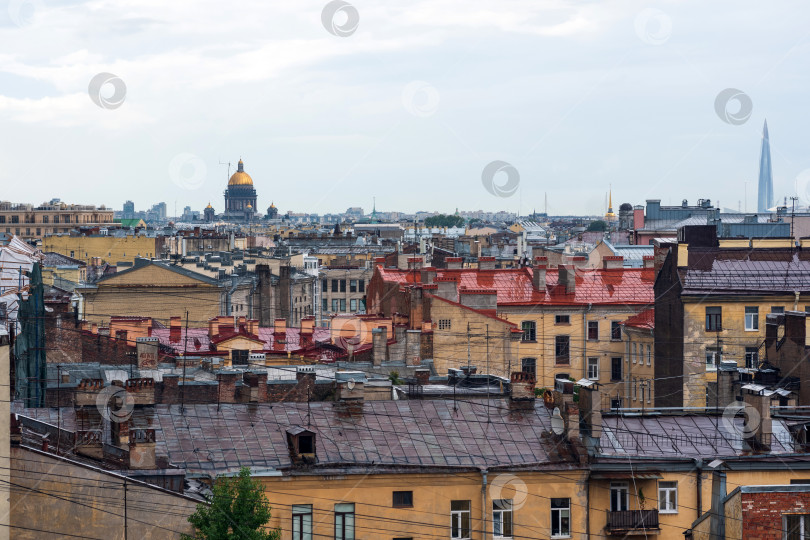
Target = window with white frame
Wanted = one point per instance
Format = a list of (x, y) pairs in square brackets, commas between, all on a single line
[(796, 526), (634, 354), (668, 497), (560, 518), (619, 496), (712, 358), (529, 329), (502, 518), (344, 521), (302, 522), (460, 518), (751, 318), (649, 355), (593, 369)]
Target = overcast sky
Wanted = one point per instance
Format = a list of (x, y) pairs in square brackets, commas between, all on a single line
[(410, 106)]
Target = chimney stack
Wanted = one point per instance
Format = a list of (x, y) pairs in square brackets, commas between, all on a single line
[(758, 426), (379, 344), (280, 326), (486, 263), (146, 349), (613, 262), (590, 403), (522, 387), (539, 273), (567, 277), (453, 263), (447, 288)]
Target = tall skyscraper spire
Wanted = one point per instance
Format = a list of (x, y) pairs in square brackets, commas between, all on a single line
[(765, 199)]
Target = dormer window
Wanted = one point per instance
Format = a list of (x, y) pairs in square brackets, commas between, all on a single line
[(301, 442)]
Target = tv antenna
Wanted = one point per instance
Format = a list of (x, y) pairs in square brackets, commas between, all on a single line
[(228, 163)]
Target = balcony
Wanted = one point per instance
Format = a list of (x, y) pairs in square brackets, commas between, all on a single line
[(629, 522)]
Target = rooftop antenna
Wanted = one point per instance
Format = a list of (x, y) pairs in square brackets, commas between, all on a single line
[(228, 163)]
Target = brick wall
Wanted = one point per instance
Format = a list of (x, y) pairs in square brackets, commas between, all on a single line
[(762, 512)]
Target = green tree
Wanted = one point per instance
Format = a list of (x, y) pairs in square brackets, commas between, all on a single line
[(443, 220), (597, 225), (237, 510)]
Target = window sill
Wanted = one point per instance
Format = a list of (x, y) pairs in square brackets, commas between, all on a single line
[(528, 341), (667, 511), (562, 536), (402, 506)]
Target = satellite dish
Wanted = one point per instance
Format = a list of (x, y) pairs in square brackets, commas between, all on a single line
[(350, 384), (557, 424)]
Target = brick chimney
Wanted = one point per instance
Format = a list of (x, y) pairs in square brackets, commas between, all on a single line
[(428, 275), (86, 393), (422, 376), (307, 325), (522, 387), (147, 351), (539, 273), (447, 288), (142, 449), (257, 383), (171, 391), (415, 263), (567, 278), (379, 261), (590, 408), (227, 386), (613, 262), (253, 327), (306, 377), (571, 417), (479, 298), (486, 263), (379, 343), (453, 263), (758, 426), (649, 261), (280, 326), (141, 390), (413, 347), (89, 444), (175, 326)]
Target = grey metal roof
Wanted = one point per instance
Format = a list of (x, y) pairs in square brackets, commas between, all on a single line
[(683, 436), (746, 271)]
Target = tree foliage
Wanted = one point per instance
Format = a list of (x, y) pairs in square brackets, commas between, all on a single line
[(237, 510), (597, 225), (443, 220)]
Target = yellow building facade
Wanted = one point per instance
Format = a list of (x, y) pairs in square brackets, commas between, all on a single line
[(32, 222), (109, 249), (437, 501), (152, 291)]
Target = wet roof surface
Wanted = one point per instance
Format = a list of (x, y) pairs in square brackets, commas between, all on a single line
[(514, 285), (752, 271), (683, 436)]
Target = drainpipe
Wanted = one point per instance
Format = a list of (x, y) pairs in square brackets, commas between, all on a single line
[(585, 341), (483, 504), (699, 484)]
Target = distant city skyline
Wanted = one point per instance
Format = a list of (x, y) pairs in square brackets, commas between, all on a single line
[(412, 107)]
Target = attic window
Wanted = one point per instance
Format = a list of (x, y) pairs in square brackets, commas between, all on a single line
[(306, 444), (301, 442)]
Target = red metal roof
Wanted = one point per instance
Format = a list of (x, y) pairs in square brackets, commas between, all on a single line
[(514, 285), (199, 341), (644, 319)]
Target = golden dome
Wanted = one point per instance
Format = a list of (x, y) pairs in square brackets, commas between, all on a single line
[(209, 206), (249, 206), (240, 177)]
